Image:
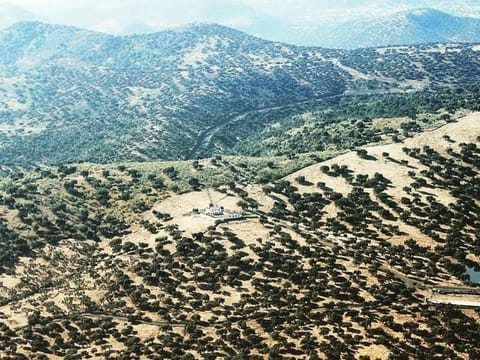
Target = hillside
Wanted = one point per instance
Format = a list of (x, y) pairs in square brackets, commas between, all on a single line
[(410, 27), (70, 95), (335, 260)]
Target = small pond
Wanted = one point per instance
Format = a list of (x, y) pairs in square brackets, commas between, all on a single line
[(474, 275)]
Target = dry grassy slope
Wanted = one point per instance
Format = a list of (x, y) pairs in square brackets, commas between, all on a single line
[(180, 207), (465, 130)]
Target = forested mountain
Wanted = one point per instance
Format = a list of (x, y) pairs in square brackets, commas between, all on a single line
[(72, 95)]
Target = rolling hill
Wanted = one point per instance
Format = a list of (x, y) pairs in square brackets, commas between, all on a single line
[(71, 95), (338, 259)]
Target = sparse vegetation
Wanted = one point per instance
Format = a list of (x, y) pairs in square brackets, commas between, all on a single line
[(337, 264)]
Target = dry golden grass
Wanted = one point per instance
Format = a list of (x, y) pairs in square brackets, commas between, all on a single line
[(465, 130)]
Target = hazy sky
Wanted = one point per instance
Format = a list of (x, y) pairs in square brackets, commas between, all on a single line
[(120, 16)]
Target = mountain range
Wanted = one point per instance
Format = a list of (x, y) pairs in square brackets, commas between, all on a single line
[(406, 28), (68, 94), (380, 28)]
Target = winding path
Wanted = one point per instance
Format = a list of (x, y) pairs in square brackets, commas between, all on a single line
[(205, 136)]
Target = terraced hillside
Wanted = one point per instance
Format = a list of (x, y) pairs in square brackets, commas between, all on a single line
[(121, 261), (69, 95)]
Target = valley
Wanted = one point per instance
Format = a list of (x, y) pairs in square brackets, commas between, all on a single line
[(205, 137)]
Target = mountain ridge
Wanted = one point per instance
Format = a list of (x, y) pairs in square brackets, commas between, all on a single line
[(424, 25), (417, 26), (145, 97)]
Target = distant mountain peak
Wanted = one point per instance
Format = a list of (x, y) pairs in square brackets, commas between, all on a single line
[(207, 28), (425, 11), (204, 25), (35, 27), (26, 24), (417, 26), (10, 14)]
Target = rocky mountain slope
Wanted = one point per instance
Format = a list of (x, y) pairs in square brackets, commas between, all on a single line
[(69, 95), (338, 260)]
